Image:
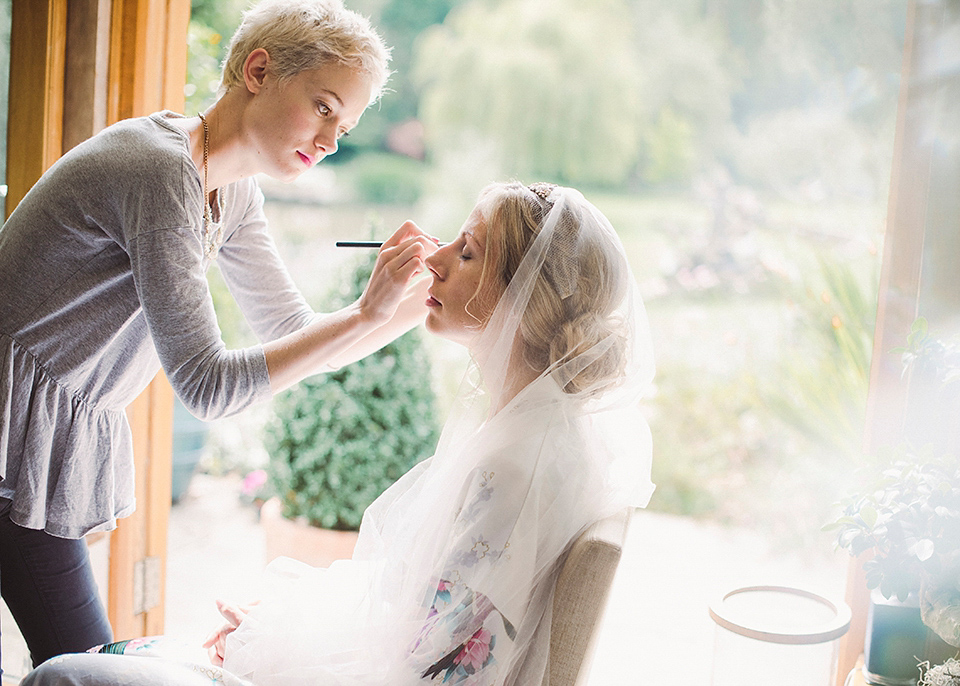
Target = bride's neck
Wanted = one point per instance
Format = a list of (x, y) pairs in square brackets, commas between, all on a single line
[(518, 376)]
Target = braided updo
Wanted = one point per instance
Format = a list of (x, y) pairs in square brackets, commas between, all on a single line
[(573, 306)]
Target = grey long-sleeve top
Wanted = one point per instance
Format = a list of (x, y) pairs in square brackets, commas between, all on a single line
[(102, 282)]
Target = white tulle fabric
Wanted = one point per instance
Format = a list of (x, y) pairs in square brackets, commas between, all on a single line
[(452, 579)]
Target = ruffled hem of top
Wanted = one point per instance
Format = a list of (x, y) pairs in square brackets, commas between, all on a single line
[(66, 465)]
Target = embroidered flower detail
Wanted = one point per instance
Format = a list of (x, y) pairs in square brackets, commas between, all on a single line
[(132, 645), (480, 548), (443, 592), (468, 558), (140, 644), (475, 651), (215, 674), (475, 508)]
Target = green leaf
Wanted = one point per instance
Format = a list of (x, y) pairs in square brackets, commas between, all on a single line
[(923, 549), (869, 515)]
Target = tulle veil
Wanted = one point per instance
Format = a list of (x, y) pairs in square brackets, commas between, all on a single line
[(486, 521)]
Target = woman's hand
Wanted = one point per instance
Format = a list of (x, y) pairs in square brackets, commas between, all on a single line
[(387, 308), (217, 640), (400, 259)]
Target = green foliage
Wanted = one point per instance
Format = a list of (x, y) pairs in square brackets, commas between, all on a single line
[(669, 149), (689, 73), (931, 357), (340, 439), (705, 439), (820, 389), (234, 330), (400, 22), (387, 179), (910, 517), (812, 144), (221, 16), (531, 85), (212, 23), (205, 50)]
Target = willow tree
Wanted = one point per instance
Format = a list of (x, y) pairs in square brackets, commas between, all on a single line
[(550, 89)]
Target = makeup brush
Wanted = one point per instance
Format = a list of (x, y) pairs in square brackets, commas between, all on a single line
[(368, 244)]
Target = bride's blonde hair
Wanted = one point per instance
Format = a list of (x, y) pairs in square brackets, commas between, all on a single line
[(573, 305)]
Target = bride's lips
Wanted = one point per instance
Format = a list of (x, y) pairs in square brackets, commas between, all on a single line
[(431, 301), (307, 160)]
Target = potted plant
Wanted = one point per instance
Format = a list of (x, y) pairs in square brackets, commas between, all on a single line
[(338, 440), (909, 518)]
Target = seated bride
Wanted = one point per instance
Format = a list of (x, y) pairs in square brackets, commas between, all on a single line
[(453, 575)]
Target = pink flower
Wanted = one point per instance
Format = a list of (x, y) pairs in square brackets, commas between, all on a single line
[(475, 651), (138, 643), (253, 482)]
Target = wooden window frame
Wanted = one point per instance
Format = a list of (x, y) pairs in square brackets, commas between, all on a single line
[(915, 233)]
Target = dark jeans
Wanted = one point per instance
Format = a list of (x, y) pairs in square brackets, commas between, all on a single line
[(47, 583)]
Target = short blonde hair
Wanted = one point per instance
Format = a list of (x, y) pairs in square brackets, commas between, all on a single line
[(555, 327), (306, 34)]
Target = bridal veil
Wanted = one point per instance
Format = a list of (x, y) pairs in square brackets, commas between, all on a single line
[(452, 579)]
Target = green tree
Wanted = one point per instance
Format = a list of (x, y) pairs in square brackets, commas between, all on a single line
[(688, 75), (530, 83), (212, 23), (400, 22), (598, 93)]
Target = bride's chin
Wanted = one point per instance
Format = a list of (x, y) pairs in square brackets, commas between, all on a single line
[(454, 335)]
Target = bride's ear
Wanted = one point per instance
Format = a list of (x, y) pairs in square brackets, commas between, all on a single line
[(255, 70)]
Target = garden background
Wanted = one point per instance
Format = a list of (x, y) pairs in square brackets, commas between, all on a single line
[(742, 150)]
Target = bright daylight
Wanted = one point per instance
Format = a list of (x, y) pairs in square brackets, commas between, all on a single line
[(480, 342)]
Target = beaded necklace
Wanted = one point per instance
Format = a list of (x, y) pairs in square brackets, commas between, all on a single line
[(212, 231)]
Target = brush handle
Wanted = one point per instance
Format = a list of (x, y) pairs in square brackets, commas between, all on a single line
[(359, 244)]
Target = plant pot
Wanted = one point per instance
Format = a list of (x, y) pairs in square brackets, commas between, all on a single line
[(897, 641), (189, 443), (302, 541)]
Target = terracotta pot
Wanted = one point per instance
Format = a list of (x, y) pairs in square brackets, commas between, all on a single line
[(301, 541)]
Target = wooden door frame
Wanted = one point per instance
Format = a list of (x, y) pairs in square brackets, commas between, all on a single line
[(75, 67)]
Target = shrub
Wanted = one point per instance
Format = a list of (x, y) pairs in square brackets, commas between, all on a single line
[(338, 440)]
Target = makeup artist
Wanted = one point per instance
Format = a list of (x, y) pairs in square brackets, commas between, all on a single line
[(102, 283)]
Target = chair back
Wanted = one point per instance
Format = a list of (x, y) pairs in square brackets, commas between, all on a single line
[(583, 586)]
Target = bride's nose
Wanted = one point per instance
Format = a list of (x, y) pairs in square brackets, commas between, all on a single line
[(434, 264)]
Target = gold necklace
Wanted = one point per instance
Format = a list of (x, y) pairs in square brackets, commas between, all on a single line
[(211, 242)]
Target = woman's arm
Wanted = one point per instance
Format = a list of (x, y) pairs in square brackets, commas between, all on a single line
[(387, 308), (410, 312)]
